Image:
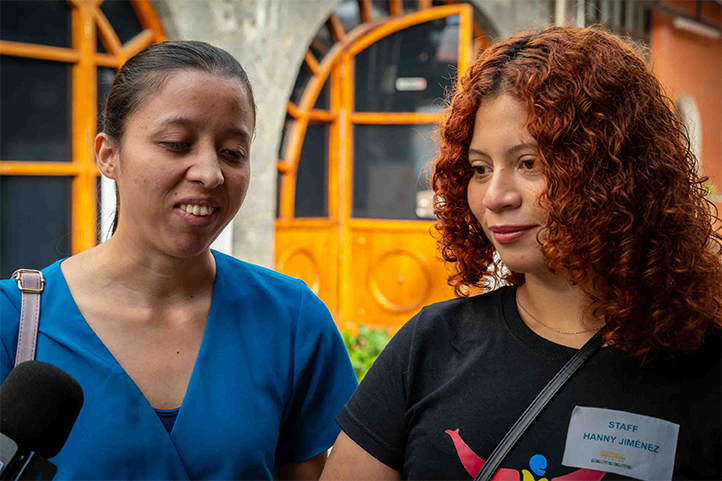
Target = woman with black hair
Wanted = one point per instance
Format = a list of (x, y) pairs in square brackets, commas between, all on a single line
[(194, 365)]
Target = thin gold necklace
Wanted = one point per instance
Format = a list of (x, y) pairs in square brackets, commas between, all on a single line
[(518, 301)]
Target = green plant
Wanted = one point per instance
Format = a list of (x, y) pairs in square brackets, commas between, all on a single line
[(364, 347), (709, 189)]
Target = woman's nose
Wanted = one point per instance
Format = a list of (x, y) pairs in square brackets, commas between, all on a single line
[(502, 193), (206, 169)]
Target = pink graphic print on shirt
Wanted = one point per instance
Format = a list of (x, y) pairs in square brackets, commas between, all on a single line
[(473, 464)]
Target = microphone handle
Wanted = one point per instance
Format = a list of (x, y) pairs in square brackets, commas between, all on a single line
[(18, 464)]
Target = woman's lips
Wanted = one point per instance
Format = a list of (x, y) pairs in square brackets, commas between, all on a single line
[(197, 220), (509, 234)]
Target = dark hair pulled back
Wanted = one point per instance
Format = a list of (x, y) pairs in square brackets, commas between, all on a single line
[(146, 73)]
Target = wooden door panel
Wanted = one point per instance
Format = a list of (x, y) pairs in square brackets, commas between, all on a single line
[(393, 271), (309, 251), (367, 268)]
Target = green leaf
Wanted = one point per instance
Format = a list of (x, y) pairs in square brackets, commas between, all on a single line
[(364, 347), (709, 189)]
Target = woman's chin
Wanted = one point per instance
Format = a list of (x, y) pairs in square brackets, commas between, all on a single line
[(188, 248), (536, 264)]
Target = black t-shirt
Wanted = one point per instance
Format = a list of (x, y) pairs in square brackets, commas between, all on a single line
[(457, 376)]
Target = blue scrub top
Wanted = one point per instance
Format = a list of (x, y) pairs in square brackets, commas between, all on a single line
[(271, 375)]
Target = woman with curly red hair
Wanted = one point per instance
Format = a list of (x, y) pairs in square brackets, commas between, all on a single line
[(564, 173)]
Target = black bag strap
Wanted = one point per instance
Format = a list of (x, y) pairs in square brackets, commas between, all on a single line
[(536, 407)]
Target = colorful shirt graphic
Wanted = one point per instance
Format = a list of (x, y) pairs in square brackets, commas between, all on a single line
[(538, 464)]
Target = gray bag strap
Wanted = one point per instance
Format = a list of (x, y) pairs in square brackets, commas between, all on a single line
[(31, 284)]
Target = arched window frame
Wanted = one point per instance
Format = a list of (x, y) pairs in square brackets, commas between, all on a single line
[(87, 18), (338, 63), (343, 257)]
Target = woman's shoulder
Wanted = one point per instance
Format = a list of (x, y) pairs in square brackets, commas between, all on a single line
[(10, 304), (11, 296), (249, 282), (478, 304), (254, 274), (707, 359), (460, 320), (479, 309)]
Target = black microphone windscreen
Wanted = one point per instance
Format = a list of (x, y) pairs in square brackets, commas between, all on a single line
[(39, 404)]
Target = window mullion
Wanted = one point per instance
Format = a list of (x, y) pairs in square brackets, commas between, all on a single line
[(466, 29), (333, 148), (39, 52), (84, 92)]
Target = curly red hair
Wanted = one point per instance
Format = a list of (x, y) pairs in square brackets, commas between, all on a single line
[(628, 220)]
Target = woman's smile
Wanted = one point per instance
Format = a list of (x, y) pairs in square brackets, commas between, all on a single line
[(199, 211), (196, 215), (508, 234)]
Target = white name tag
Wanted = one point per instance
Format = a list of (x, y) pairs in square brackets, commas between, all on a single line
[(632, 445)]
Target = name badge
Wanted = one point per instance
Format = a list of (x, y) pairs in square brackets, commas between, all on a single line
[(632, 445)]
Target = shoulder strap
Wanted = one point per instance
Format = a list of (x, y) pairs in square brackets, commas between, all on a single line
[(31, 284), (531, 413)]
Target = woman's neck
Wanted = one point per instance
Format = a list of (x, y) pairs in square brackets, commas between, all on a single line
[(556, 310), (147, 277)]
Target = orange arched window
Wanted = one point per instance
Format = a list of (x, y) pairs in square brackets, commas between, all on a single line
[(57, 58), (354, 205)]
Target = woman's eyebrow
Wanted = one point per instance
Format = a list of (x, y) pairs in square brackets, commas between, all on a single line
[(168, 123), (175, 120), (523, 146), (184, 121), (238, 132), (478, 152), (510, 151)]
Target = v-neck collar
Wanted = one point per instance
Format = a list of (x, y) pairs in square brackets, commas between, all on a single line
[(96, 346)]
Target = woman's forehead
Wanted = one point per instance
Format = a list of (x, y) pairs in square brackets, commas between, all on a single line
[(191, 96), (501, 120), (501, 106)]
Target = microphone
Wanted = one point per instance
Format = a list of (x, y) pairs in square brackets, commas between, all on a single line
[(39, 404)]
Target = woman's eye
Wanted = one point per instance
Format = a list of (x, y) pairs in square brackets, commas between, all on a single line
[(480, 170), (527, 163), (176, 146), (234, 154)]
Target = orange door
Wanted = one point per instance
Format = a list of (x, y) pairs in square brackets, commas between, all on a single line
[(371, 255)]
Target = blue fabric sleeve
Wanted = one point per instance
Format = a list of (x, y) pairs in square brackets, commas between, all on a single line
[(323, 381), (9, 321)]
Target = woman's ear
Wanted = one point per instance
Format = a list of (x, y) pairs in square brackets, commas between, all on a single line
[(106, 156)]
